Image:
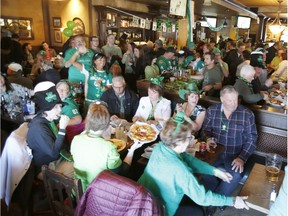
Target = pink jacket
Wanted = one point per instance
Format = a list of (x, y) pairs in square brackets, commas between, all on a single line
[(111, 194)]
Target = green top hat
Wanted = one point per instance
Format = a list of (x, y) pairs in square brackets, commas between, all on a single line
[(192, 87), (157, 81)]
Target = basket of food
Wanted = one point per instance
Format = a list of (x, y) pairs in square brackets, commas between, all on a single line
[(143, 132), (120, 144)]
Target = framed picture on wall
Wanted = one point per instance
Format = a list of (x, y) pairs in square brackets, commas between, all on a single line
[(57, 36), (57, 22)]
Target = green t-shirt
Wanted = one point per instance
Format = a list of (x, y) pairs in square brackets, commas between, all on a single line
[(169, 176), (163, 64), (71, 109), (92, 155), (94, 92), (74, 75)]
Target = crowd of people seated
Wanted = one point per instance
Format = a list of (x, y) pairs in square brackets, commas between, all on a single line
[(108, 75)]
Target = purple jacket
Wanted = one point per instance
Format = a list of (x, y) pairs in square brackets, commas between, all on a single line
[(111, 194)]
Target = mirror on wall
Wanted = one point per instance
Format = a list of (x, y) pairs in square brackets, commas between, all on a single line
[(18, 25)]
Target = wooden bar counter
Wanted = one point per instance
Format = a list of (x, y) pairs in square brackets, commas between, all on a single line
[(271, 122)]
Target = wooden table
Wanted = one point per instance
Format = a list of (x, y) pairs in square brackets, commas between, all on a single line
[(258, 188), (207, 157)]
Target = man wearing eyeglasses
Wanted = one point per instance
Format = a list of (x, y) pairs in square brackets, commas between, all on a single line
[(122, 102), (234, 127)]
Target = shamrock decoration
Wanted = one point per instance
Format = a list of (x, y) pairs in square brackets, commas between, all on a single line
[(50, 96)]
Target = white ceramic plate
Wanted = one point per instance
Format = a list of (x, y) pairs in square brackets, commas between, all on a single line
[(143, 132)]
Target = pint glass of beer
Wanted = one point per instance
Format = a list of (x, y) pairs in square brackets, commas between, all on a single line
[(273, 166)]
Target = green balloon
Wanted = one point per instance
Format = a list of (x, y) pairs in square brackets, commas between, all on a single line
[(70, 24), (68, 32)]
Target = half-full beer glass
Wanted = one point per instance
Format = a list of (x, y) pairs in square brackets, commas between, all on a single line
[(273, 166)]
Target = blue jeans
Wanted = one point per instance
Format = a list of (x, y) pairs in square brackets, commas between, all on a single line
[(217, 185)]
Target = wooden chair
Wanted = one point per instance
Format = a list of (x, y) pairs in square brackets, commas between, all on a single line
[(63, 193)]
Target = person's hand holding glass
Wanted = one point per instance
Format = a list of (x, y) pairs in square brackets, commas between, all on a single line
[(211, 144)]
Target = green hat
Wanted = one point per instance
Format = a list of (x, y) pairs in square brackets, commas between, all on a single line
[(187, 60), (157, 81), (216, 51), (42, 53), (191, 44), (179, 119), (191, 87)]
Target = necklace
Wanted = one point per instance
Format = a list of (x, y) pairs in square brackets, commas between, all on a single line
[(151, 114), (247, 83), (223, 123)]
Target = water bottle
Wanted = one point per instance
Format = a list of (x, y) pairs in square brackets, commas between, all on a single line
[(24, 107), (3, 105)]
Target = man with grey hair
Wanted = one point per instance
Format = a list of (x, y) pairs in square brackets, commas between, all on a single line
[(234, 127), (244, 86), (122, 102)]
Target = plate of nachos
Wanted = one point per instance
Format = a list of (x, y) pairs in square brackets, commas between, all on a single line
[(121, 145), (143, 132)]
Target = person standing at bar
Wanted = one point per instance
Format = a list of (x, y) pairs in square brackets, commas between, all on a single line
[(94, 44), (233, 58), (111, 49), (234, 127), (84, 56)]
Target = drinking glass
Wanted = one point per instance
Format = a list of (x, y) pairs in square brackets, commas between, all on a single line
[(273, 164), (211, 144)]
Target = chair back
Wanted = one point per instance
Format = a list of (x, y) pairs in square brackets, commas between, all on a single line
[(112, 194), (63, 193)]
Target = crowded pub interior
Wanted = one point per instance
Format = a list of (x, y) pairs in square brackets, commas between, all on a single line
[(144, 107)]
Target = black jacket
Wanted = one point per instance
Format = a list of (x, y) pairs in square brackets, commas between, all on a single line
[(45, 146), (130, 104)]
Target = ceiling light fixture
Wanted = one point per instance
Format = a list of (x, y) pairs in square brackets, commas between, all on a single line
[(207, 3), (276, 27)]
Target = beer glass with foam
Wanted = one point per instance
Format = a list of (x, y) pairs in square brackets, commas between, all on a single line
[(273, 166)]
